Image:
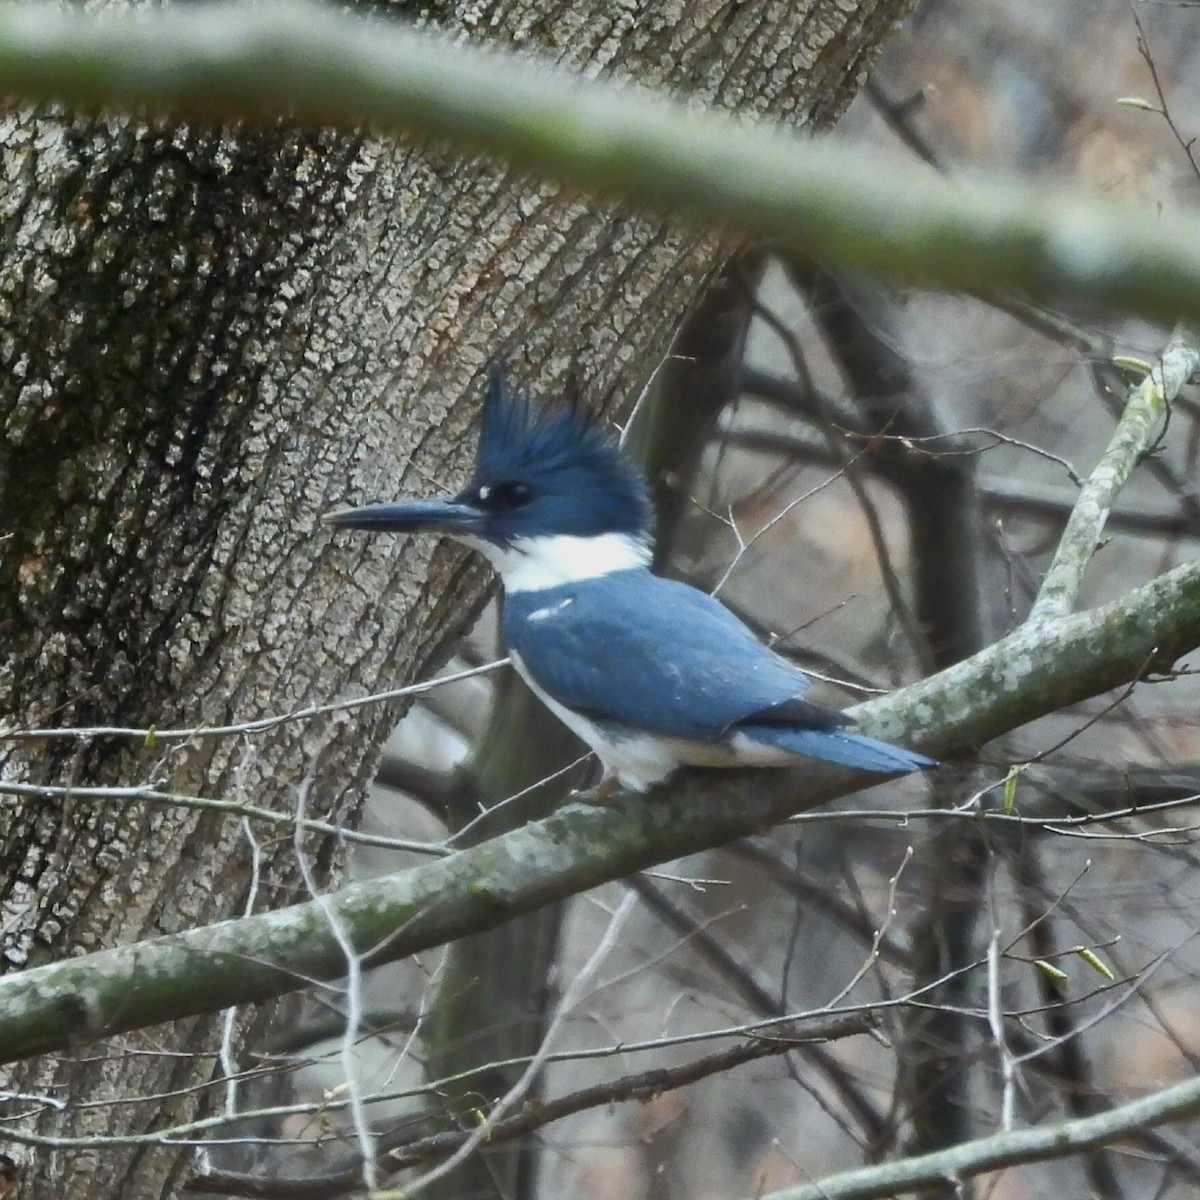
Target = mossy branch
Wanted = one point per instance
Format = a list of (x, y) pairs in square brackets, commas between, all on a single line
[(1037, 669), (1050, 1140), (1140, 424)]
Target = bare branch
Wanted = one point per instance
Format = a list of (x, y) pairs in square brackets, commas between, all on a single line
[(137, 793), (265, 61), (644, 1085), (152, 734)]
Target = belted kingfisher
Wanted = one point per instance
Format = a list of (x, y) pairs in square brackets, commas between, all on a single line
[(651, 673)]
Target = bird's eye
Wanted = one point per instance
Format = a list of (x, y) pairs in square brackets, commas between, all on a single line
[(508, 494)]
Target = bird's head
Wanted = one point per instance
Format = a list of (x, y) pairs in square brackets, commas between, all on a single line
[(553, 496)]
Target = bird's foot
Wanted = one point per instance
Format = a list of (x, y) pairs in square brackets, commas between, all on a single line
[(601, 794)]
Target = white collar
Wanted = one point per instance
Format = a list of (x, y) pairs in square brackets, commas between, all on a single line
[(531, 564)]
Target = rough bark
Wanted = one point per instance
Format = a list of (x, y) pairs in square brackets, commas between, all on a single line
[(210, 337)]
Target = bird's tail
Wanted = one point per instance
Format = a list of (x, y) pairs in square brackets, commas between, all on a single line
[(839, 746)]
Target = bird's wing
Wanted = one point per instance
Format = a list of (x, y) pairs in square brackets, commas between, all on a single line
[(636, 650)]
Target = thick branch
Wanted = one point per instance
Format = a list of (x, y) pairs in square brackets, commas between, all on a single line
[(1036, 670), (262, 61)]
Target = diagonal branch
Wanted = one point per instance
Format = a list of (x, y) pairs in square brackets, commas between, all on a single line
[(1035, 670), (1133, 439), (264, 61)]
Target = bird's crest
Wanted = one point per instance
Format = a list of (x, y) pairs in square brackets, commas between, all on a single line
[(518, 433), (566, 450)]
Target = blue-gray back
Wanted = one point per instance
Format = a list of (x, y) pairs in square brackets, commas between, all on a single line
[(636, 650)]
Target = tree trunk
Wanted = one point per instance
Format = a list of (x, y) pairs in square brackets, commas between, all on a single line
[(209, 338)]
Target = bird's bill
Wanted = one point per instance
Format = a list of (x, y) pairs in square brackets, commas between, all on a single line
[(446, 516)]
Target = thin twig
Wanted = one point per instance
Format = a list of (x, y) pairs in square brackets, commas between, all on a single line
[(353, 991), (150, 795), (1187, 145), (152, 734)]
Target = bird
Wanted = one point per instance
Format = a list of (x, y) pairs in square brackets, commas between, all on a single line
[(651, 673)]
